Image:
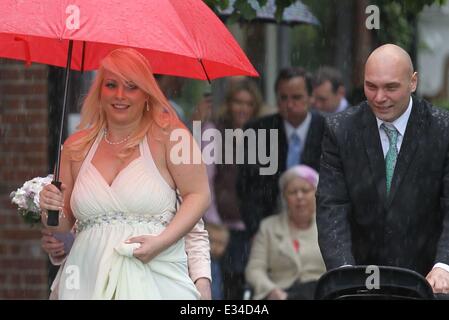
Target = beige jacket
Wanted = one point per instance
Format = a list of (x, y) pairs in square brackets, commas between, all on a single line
[(273, 262)]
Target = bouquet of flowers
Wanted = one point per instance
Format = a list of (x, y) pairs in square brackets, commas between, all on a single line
[(27, 198)]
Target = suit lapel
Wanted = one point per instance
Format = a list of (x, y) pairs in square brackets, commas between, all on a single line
[(374, 153), (310, 139), (283, 144), (412, 137)]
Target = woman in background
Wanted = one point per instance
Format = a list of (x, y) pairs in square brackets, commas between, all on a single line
[(285, 260), (243, 102)]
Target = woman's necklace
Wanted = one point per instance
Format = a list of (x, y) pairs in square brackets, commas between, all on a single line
[(114, 143)]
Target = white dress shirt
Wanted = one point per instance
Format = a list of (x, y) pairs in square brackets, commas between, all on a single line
[(342, 106), (300, 130), (400, 124)]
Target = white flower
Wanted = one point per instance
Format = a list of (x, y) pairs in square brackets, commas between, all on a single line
[(27, 198), (19, 198)]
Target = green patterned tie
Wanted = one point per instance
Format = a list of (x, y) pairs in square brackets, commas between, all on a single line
[(392, 154)]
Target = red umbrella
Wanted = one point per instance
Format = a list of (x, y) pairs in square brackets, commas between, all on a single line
[(179, 37)]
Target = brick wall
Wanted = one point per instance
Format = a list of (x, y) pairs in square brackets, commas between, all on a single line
[(23, 155)]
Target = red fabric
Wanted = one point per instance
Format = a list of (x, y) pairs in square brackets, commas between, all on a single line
[(172, 34)]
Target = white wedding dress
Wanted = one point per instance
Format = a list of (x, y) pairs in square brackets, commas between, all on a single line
[(100, 265)]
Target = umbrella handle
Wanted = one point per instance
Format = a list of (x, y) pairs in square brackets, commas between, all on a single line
[(53, 215)]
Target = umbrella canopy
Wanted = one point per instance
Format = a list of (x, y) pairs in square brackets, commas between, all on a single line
[(179, 37), (297, 13)]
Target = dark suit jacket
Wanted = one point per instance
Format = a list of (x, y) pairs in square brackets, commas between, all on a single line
[(258, 193), (357, 222)]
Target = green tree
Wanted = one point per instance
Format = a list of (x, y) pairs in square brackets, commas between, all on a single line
[(398, 17), (242, 8)]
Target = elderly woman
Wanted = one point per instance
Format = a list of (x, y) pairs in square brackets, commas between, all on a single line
[(285, 260)]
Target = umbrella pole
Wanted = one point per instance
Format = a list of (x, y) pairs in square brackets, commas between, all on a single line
[(204, 69), (53, 215)]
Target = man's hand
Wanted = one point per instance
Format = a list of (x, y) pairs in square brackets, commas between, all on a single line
[(203, 286), (439, 280)]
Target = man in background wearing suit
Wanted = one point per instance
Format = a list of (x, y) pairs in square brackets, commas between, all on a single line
[(383, 195), (299, 142)]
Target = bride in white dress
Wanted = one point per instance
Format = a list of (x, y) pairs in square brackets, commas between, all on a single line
[(120, 187)]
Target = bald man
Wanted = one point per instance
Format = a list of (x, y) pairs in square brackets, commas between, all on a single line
[(383, 195)]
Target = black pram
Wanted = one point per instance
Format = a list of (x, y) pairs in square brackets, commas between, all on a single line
[(373, 282)]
